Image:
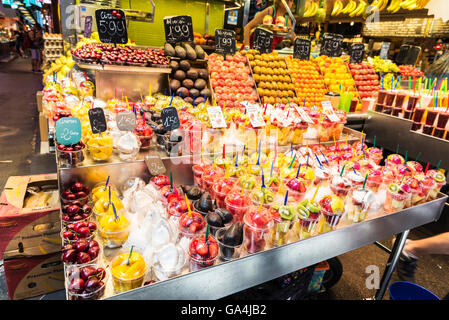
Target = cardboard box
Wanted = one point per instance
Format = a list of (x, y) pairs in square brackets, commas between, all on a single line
[(26, 228), (33, 276), (43, 127), (39, 96)]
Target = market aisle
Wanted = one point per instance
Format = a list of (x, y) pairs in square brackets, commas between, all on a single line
[(19, 128), (19, 125)]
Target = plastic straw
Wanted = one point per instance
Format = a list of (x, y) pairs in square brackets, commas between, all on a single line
[(297, 172), (291, 164), (130, 253), (107, 182), (286, 198)]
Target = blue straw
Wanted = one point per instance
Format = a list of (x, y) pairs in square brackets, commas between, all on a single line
[(243, 152), (263, 178), (318, 160), (109, 194), (107, 182), (307, 159), (286, 197), (258, 157), (297, 173), (236, 159), (115, 212), (272, 166), (324, 157), (172, 99)]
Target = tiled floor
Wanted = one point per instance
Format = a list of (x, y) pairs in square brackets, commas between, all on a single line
[(19, 138)]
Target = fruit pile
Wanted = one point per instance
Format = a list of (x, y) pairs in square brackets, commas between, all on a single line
[(272, 77), (309, 83), (189, 83), (336, 74), (100, 53), (410, 71), (82, 251), (231, 80), (366, 79), (381, 65), (206, 39), (79, 230), (186, 51)]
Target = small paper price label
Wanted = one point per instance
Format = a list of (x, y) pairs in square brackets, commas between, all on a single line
[(68, 130), (303, 114), (255, 116), (126, 121), (329, 111), (216, 117), (154, 164)]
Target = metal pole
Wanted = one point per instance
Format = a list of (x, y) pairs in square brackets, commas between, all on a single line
[(391, 264)]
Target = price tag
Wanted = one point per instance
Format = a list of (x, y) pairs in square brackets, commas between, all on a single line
[(331, 45), (68, 131), (170, 119), (329, 111), (255, 116), (97, 120), (111, 25), (126, 121), (216, 117), (88, 26), (301, 49), (357, 52), (384, 48), (263, 40), (303, 114), (178, 29), (224, 41), (154, 164)]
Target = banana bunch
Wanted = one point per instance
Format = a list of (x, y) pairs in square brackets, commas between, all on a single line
[(360, 9), (394, 6), (422, 3), (350, 7), (338, 6), (311, 9), (379, 4), (409, 4)]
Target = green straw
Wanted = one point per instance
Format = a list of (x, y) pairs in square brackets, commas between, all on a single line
[(294, 157), (405, 158), (419, 154), (207, 234), (374, 143), (342, 169), (409, 83), (364, 183), (130, 253), (438, 166), (171, 182)]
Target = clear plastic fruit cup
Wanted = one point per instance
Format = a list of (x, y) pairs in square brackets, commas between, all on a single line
[(116, 238), (209, 177), (395, 201), (220, 196), (129, 277), (240, 208), (331, 220), (70, 158), (373, 182), (186, 232), (198, 170), (308, 227), (255, 237), (198, 263), (281, 231), (381, 96), (160, 272), (96, 292), (389, 98), (285, 135), (227, 252), (99, 152), (103, 190), (427, 185), (67, 219), (340, 191), (431, 117)]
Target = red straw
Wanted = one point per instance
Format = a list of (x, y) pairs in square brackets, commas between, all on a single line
[(85, 76), (439, 86), (223, 151), (265, 109), (427, 167)]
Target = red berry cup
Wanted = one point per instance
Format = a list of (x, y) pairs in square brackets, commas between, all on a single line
[(191, 226), (395, 201), (374, 181), (340, 191), (202, 255), (221, 189), (238, 204), (256, 236), (198, 170)]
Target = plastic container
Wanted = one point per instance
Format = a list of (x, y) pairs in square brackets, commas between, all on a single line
[(280, 231), (381, 96), (379, 107), (185, 232), (427, 129), (443, 117), (93, 295), (419, 113), (196, 263), (353, 105), (161, 273), (238, 211), (331, 220), (387, 109), (121, 283), (255, 238), (431, 116), (308, 227), (416, 126), (70, 158), (395, 201), (114, 239), (227, 252), (100, 152), (389, 98), (411, 104), (403, 290)]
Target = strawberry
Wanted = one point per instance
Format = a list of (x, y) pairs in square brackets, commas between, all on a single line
[(213, 250), (193, 227), (201, 248)]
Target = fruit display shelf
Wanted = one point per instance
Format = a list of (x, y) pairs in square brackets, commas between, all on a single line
[(208, 284)]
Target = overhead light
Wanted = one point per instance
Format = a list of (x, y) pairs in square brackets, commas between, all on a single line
[(352, 23)]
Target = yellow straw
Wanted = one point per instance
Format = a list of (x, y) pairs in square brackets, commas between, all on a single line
[(335, 141), (361, 137), (207, 102), (126, 98), (353, 154), (149, 93), (346, 139), (224, 105), (260, 206), (188, 205), (243, 189), (316, 191)]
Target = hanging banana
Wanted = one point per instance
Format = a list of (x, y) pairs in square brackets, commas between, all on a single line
[(338, 6), (394, 6)]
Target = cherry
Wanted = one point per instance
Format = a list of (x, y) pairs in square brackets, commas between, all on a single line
[(81, 245), (82, 257), (84, 232), (92, 243), (93, 252), (69, 255), (92, 226), (87, 208), (101, 273), (76, 285), (80, 194), (68, 234), (87, 272), (77, 187), (72, 209), (92, 284)]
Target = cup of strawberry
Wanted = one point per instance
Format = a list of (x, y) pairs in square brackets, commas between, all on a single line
[(198, 170), (257, 226), (340, 186), (202, 254), (296, 190), (374, 180), (145, 134), (191, 225), (238, 204), (159, 181), (221, 189)]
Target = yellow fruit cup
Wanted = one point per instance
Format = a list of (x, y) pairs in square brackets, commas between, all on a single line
[(103, 206), (100, 147), (100, 191), (114, 229), (128, 270)]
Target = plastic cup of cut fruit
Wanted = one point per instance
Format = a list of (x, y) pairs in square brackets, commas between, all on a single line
[(238, 208), (126, 276), (70, 156), (255, 236), (395, 201), (227, 252), (188, 232), (161, 272), (198, 262), (116, 233), (92, 294), (198, 170), (331, 220), (100, 152)]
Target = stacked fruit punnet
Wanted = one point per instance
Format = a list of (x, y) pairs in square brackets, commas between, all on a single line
[(272, 77), (336, 74), (366, 79), (230, 79), (410, 71), (308, 81)]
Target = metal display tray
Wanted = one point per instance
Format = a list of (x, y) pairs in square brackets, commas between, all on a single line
[(230, 277)]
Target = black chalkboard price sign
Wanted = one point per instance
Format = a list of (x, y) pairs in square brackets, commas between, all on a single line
[(97, 120), (331, 45), (263, 40), (224, 41), (301, 49), (170, 119), (111, 25), (356, 53), (178, 29)]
